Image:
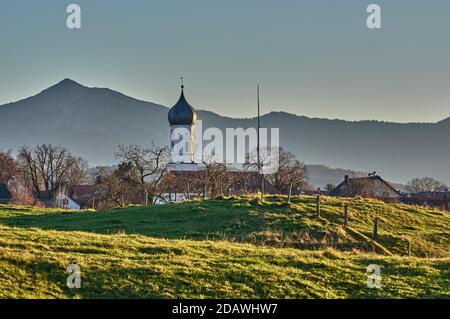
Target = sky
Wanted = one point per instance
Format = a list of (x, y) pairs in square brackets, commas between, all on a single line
[(315, 58)]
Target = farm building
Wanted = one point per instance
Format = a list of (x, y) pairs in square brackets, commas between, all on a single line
[(440, 200), (372, 186), (77, 197), (83, 195)]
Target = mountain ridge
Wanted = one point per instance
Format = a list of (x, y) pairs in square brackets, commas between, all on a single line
[(75, 83), (92, 121)]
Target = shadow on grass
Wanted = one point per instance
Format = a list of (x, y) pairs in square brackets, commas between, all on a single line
[(187, 220)]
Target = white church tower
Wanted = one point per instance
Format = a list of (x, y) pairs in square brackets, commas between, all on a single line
[(182, 117)]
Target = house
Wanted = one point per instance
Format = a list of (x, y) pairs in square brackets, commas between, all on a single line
[(5, 194), (77, 197), (372, 186), (83, 195), (440, 200), (64, 201)]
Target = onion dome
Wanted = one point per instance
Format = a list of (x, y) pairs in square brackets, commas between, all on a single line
[(182, 113)]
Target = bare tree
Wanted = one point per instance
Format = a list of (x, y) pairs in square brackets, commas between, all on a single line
[(425, 184), (148, 166), (291, 174), (11, 176), (257, 161), (8, 167), (20, 193), (213, 178), (50, 168), (118, 188)]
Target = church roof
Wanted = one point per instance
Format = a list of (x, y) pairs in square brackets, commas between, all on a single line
[(182, 113)]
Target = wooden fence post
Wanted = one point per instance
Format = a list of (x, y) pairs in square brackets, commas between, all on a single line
[(375, 229)]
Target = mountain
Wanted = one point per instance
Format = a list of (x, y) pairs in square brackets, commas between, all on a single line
[(321, 175), (91, 122)]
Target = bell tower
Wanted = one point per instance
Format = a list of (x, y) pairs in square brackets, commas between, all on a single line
[(182, 117)]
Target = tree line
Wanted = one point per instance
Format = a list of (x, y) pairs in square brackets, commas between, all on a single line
[(37, 175)]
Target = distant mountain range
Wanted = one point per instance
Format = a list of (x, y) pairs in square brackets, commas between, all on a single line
[(92, 122)]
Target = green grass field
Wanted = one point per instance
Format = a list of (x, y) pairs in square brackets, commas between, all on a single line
[(229, 248)]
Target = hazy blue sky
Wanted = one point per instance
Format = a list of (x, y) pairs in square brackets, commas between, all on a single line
[(314, 58)]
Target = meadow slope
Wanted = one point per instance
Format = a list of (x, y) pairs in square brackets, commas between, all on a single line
[(272, 222), (33, 263), (231, 248)]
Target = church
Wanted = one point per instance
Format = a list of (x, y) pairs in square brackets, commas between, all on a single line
[(187, 178), (182, 118)]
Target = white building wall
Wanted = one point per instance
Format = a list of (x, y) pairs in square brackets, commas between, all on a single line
[(185, 133), (64, 201)]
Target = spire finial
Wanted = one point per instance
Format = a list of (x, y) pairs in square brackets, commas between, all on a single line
[(182, 83)]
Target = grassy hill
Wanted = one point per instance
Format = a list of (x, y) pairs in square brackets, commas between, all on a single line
[(233, 247)]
